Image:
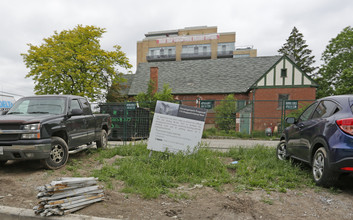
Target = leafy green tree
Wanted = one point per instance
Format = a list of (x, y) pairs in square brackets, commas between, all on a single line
[(225, 118), (149, 99), (296, 48), (72, 62), (336, 74)]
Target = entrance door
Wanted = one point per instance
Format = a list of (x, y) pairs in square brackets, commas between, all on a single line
[(244, 125)]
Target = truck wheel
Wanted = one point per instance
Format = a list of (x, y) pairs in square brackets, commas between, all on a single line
[(2, 162), (59, 154), (103, 140)]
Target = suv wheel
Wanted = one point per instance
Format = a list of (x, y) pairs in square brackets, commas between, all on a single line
[(59, 154), (322, 174), (282, 150)]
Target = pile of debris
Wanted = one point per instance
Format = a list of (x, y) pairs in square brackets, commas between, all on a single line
[(66, 195)]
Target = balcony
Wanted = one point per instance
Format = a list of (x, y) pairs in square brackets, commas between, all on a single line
[(225, 54), (156, 58), (195, 56)]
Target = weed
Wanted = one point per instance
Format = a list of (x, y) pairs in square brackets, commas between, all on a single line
[(267, 201)]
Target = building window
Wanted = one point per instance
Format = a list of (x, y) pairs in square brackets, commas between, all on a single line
[(190, 49), (281, 99), (223, 47), (204, 49), (283, 72), (196, 50), (241, 55), (156, 52)]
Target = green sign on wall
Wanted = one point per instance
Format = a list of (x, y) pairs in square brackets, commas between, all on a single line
[(206, 104), (291, 104)]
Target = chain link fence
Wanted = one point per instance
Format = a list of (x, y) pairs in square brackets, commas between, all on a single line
[(133, 120)]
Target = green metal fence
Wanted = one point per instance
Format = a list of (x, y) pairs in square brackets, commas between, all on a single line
[(133, 120)]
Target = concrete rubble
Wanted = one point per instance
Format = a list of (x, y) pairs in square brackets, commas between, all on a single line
[(67, 195)]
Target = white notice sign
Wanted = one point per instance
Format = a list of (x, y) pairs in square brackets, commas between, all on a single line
[(176, 127)]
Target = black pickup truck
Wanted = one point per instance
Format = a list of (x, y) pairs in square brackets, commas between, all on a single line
[(49, 127)]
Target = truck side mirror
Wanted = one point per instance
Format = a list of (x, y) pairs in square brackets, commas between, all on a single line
[(75, 111)]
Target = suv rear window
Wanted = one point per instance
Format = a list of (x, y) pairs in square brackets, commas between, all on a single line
[(325, 109)]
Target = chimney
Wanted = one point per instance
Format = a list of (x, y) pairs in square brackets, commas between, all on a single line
[(154, 78)]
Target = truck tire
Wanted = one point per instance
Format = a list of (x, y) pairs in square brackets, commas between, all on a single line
[(59, 154), (2, 162), (103, 140)]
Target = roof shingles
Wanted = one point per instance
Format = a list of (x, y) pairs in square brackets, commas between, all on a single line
[(230, 75)]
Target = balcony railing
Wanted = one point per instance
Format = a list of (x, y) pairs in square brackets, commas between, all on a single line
[(167, 57), (225, 54), (191, 56)]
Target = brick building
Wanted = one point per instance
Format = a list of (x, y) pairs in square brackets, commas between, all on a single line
[(260, 84), (203, 66)]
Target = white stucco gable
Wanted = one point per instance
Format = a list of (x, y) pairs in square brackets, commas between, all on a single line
[(284, 74)]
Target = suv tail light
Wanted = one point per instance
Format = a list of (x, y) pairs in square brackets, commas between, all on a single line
[(346, 125)]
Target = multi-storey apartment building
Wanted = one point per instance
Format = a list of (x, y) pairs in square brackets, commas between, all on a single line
[(190, 43)]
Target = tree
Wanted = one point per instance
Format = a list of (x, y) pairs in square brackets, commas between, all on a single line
[(72, 62), (225, 118), (149, 99), (336, 74), (115, 91), (297, 50)]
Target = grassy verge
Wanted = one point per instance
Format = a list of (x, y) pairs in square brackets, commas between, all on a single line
[(156, 175), (258, 168), (213, 132)]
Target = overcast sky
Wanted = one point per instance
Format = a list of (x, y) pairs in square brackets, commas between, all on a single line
[(265, 24)]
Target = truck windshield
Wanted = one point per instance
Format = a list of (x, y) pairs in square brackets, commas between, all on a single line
[(38, 105)]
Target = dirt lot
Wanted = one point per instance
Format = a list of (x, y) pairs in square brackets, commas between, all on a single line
[(18, 182)]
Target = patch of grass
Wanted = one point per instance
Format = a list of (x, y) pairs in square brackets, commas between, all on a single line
[(152, 176), (106, 174), (258, 167), (267, 201), (214, 132), (73, 165)]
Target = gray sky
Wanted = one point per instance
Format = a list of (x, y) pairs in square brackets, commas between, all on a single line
[(264, 24)]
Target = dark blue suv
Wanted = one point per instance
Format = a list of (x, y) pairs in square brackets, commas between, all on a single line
[(322, 137)]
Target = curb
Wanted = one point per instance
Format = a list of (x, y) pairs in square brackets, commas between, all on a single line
[(12, 213)]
